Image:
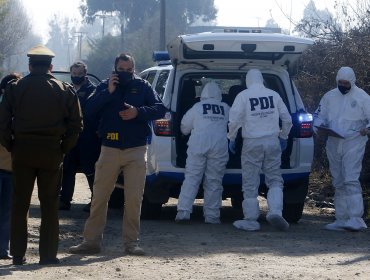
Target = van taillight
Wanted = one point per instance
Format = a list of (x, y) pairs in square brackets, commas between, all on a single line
[(162, 127), (302, 125)]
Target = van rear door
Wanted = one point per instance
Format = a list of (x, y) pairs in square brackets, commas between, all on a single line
[(214, 50)]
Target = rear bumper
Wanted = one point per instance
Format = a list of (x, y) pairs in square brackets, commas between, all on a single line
[(229, 179), (161, 186)]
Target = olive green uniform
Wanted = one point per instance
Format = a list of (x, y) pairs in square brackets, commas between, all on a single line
[(40, 120)]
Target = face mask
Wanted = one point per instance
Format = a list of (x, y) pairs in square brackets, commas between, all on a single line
[(124, 77), (77, 80), (344, 89)]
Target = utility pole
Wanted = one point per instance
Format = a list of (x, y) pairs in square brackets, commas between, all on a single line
[(162, 28), (79, 42), (103, 16)]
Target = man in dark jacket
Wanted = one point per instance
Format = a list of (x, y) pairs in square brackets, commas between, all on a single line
[(126, 104), (86, 152), (40, 120)]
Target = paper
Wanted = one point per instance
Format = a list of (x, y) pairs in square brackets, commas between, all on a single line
[(327, 131)]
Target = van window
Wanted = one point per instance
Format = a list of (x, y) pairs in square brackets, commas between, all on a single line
[(150, 76), (161, 82)]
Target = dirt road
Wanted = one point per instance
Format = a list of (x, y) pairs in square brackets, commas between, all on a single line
[(201, 251)]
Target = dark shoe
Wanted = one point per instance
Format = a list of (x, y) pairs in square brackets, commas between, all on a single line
[(49, 261), (85, 248), (19, 260), (64, 206), (135, 251), (87, 207), (5, 257)]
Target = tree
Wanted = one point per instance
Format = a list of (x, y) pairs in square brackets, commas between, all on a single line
[(271, 23), (14, 27), (319, 24), (101, 58), (61, 39), (134, 14)]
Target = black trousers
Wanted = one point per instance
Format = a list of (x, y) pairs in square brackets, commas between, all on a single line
[(73, 161), (48, 182)]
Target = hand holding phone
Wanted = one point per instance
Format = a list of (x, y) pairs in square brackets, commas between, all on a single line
[(129, 112), (113, 82)]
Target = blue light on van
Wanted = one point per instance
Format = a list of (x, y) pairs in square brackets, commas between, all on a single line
[(160, 56)]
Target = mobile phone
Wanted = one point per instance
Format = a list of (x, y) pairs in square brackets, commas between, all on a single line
[(115, 73)]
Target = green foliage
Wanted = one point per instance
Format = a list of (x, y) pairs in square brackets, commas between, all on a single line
[(143, 21), (101, 58), (60, 42), (132, 12), (135, 14)]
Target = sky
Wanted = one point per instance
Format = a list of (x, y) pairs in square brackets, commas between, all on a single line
[(239, 13)]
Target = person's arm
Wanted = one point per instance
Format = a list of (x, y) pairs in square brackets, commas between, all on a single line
[(98, 99), (320, 116), (187, 122), (236, 117), (366, 110), (286, 119), (153, 108), (6, 120), (73, 122)]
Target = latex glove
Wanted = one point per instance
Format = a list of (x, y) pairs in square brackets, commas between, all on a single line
[(232, 146), (283, 144)]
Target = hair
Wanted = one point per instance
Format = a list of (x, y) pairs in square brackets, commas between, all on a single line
[(124, 57), (8, 78), (79, 64)]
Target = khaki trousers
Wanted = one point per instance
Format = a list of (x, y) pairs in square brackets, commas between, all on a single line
[(132, 162)]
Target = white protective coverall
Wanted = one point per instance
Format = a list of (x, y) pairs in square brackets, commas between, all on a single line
[(207, 154), (348, 113), (257, 110)]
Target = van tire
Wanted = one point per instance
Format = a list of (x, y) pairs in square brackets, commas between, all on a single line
[(292, 212), (149, 210)]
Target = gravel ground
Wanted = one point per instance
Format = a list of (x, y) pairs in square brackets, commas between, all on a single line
[(201, 251)]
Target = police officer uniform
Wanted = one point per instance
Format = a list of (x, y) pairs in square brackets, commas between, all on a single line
[(40, 120)]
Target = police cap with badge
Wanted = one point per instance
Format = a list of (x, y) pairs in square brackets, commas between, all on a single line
[(40, 55)]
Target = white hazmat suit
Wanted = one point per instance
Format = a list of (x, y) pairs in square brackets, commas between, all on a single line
[(257, 110), (348, 113), (207, 154)]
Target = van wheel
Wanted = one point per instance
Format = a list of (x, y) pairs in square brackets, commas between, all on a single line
[(149, 210), (292, 212)]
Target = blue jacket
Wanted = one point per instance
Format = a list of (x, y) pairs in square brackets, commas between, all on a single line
[(114, 131), (90, 123), (88, 144)]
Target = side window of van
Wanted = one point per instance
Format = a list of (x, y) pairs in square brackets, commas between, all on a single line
[(161, 82), (150, 77)]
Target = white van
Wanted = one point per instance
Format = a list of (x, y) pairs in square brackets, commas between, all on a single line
[(226, 58)]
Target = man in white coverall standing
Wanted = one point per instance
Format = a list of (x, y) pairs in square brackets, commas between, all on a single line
[(346, 109), (257, 110), (207, 154)]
